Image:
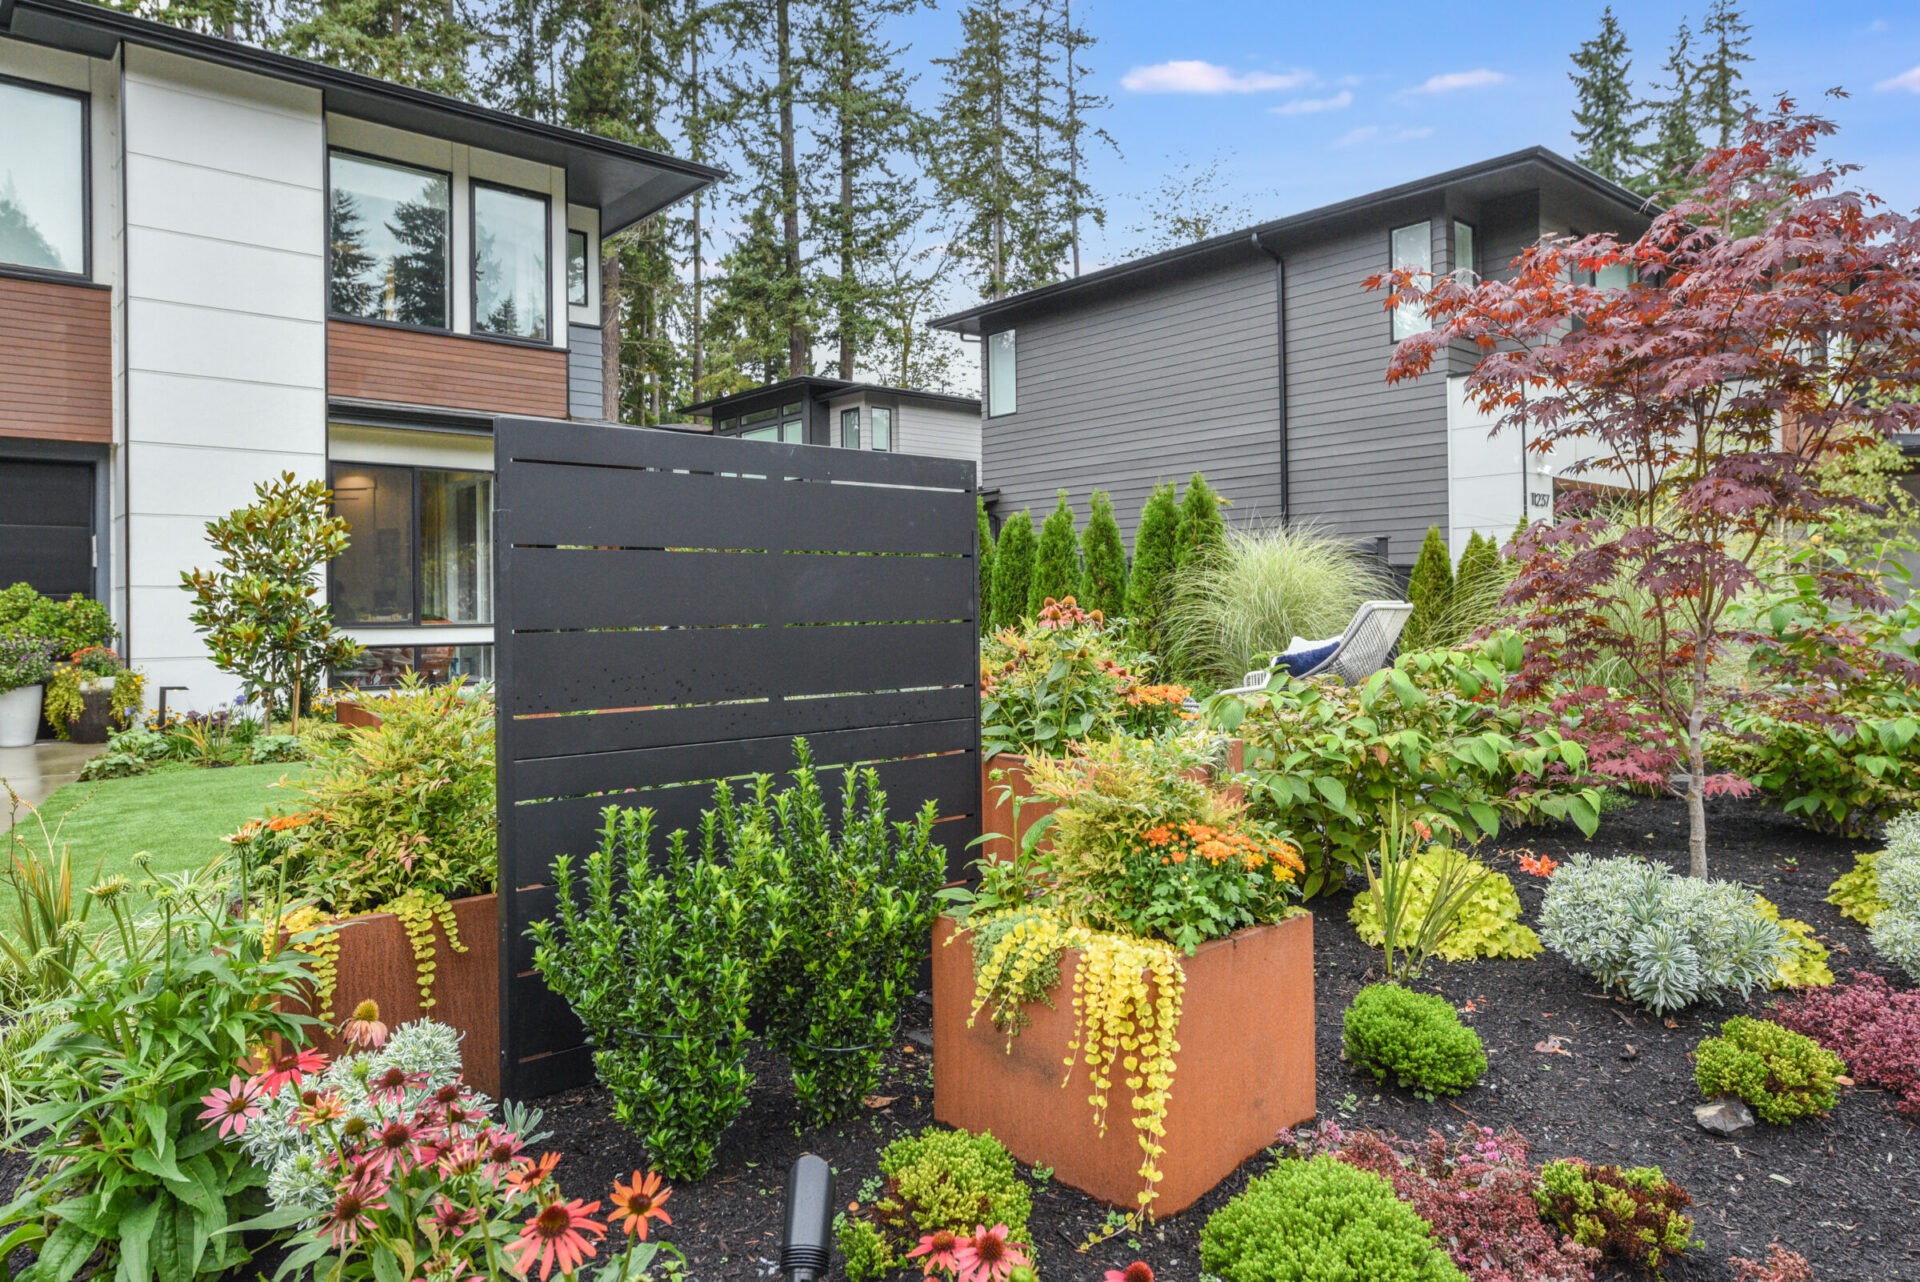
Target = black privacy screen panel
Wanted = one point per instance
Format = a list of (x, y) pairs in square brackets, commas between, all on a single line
[(671, 611)]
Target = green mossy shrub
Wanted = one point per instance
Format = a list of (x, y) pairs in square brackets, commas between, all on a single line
[(1488, 924), (1320, 1219), (1783, 1075), (1633, 1216), (1413, 1040), (939, 1180)]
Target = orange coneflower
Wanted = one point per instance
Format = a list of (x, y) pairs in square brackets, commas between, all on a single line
[(636, 1203), (530, 1175), (557, 1235)]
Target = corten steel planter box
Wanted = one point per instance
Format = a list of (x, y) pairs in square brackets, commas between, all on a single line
[(376, 961), (349, 713), (998, 795), (1243, 1074)]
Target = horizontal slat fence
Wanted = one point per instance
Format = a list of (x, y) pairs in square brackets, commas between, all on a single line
[(672, 610)]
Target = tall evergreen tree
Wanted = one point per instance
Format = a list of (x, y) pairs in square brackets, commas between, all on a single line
[(1676, 126), (1040, 236), (1156, 552), (1013, 569), (1723, 100), (1056, 567), (974, 159), (1430, 591), (1106, 558), (423, 43), (1202, 527), (1189, 204), (985, 559), (746, 336), (1078, 134), (349, 292), (1608, 125), (1479, 581)]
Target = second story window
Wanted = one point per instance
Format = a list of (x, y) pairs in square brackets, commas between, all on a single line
[(1412, 251), (576, 269), (882, 428), (850, 429), (388, 229), (43, 190), (510, 238), (1464, 259), (1001, 375)]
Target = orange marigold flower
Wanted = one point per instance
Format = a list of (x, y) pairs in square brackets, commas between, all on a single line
[(1539, 865), (1158, 835)]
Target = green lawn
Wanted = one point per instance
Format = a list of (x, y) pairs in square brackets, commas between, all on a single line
[(178, 814)]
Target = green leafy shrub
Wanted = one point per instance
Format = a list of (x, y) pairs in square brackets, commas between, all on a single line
[(1856, 892), (1065, 677), (1240, 599), (75, 624), (113, 765), (23, 662), (1488, 921), (1056, 563), (1805, 964), (660, 966), (150, 1023), (1430, 591), (1664, 940), (1306, 1221), (1784, 1075), (985, 561), (1414, 1040), (1013, 569), (938, 1181), (1634, 1216), (276, 749), (1429, 737)]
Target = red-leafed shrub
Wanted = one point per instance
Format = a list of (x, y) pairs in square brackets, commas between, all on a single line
[(1782, 1266), (1477, 1192), (1869, 1024)]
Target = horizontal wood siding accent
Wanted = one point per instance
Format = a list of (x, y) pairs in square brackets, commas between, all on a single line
[(1123, 393), (586, 396), (406, 367), (56, 361)]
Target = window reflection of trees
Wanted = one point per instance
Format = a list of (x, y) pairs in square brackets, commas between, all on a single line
[(22, 243), (409, 286)]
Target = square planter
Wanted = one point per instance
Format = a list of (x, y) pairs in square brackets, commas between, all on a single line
[(1003, 781), (1244, 1071), (376, 961), (350, 713)]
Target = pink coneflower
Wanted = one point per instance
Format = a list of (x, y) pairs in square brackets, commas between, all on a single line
[(987, 1256), (351, 1213), (390, 1086), (451, 1220), (291, 1068), (1135, 1272), (396, 1146), (935, 1252), (364, 1029), (233, 1107), (557, 1235), (462, 1157)]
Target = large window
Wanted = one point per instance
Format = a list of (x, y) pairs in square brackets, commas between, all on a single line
[(43, 186), (510, 234), (776, 423), (1412, 251), (421, 550), (380, 667), (389, 228), (1001, 379)]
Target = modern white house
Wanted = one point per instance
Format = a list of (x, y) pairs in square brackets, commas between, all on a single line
[(219, 264), (849, 414)]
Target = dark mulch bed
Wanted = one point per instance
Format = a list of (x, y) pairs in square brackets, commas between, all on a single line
[(1844, 1191)]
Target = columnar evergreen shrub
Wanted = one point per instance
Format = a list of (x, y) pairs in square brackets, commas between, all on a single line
[(1307, 1221), (1156, 551), (1106, 561), (1664, 940), (1056, 566), (1784, 1075), (1013, 570), (1430, 590), (1632, 1215), (1414, 1040), (1479, 567), (985, 562), (1202, 526)]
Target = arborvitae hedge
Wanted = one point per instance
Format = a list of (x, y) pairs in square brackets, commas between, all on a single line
[(1156, 545), (986, 569), (1430, 589), (1106, 577), (1012, 569), (1202, 527), (1479, 576), (1056, 569)]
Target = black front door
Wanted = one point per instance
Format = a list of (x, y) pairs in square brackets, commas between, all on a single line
[(46, 525)]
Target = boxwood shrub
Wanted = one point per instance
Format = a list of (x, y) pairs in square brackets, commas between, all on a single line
[(1415, 1040), (1783, 1075), (1305, 1221)]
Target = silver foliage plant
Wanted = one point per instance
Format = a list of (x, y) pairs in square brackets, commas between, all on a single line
[(1896, 930), (1665, 940)]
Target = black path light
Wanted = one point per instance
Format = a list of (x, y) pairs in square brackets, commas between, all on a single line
[(809, 1220)]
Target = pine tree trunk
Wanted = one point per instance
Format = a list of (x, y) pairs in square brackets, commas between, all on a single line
[(799, 360), (610, 333), (699, 247)]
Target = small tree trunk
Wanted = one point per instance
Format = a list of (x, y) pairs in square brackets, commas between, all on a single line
[(293, 710), (1696, 792)]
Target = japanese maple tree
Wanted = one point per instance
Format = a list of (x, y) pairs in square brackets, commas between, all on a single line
[(1772, 322)]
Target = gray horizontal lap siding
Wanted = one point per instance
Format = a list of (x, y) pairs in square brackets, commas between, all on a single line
[(586, 383), (1365, 459), (1125, 393)]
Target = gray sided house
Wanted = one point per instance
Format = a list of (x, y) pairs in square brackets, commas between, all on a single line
[(850, 415), (1258, 358)]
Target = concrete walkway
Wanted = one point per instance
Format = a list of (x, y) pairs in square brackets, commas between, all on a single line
[(37, 772)]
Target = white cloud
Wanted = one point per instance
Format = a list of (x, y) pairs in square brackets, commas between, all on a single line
[(1194, 76), (1358, 134), (1374, 133), (1448, 81), (1308, 106), (1907, 80)]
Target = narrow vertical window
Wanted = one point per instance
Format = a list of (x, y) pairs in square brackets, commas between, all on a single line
[(1412, 251), (1001, 377), (576, 269), (882, 428), (509, 263), (1464, 259), (850, 429), (43, 186)]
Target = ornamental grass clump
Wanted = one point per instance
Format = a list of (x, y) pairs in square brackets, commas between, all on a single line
[(1413, 1040), (1307, 1221), (1784, 1075), (1664, 940), (938, 1188), (1634, 1216)]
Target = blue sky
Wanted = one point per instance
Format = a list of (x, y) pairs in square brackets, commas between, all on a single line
[(1307, 103)]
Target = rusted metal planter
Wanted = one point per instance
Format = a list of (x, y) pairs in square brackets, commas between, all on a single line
[(1243, 1074), (1004, 788), (351, 713), (376, 961)]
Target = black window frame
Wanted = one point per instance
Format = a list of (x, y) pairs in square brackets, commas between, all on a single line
[(85, 274), (473, 262), (586, 267), (326, 285), (859, 429), (986, 357), (415, 551)]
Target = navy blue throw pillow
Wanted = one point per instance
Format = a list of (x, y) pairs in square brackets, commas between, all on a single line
[(1301, 662)]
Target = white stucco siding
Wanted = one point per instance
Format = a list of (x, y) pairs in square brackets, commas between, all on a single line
[(225, 326)]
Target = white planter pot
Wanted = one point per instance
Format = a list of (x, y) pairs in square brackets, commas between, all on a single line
[(20, 717)]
